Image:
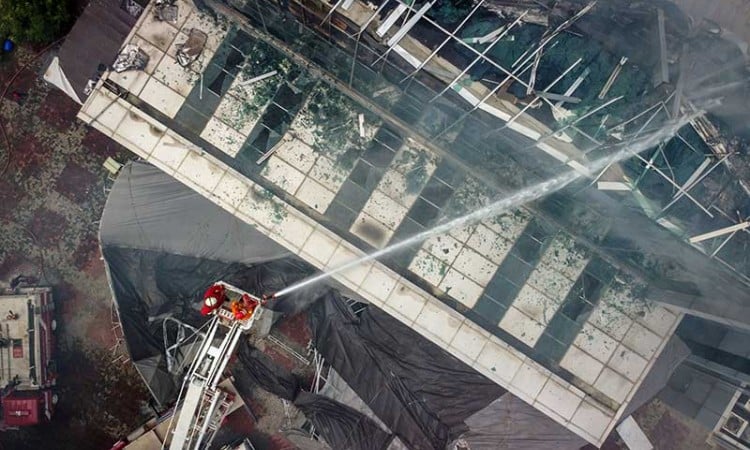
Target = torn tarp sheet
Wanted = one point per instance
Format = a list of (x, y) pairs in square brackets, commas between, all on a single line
[(422, 393), (55, 76), (336, 389), (340, 426), (149, 210), (263, 372)]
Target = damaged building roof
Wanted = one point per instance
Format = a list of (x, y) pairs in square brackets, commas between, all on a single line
[(519, 297)]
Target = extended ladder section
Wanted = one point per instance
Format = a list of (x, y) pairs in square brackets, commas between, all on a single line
[(205, 405)]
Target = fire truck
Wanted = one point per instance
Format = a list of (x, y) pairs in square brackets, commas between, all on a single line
[(27, 347)]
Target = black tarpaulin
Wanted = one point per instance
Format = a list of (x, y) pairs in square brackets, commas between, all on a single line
[(337, 389), (510, 423), (262, 371), (422, 393), (340, 426), (158, 379), (149, 210)]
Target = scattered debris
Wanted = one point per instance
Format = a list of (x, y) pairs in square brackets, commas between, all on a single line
[(191, 49), (390, 20), (90, 85), (557, 111), (166, 11), (132, 8), (113, 167), (662, 75), (557, 97), (259, 78), (130, 58), (487, 38)]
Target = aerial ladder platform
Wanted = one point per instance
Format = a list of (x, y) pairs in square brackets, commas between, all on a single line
[(204, 402)]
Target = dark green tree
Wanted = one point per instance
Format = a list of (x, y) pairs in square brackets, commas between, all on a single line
[(33, 21)]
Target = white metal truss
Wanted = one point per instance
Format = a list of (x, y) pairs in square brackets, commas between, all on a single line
[(172, 350), (407, 15)]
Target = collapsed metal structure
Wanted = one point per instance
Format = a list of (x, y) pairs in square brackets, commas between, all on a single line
[(445, 89)]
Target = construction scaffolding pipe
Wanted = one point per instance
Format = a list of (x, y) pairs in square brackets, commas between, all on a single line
[(539, 94), (661, 103), (552, 35), (558, 97), (719, 232), (723, 243), (612, 77), (474, 108), (588, 114), (396, 38), (480, 56), (532, 77), (472, 49), (672, 182), (442, 44), (330, 13), (574, 86), (359, 36), (390, 20), (696, 182)]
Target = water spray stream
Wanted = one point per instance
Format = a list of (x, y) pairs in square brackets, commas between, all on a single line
[(517, 199)]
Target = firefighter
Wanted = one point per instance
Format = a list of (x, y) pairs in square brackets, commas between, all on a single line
[(213, 298), (243, 309), (249, 303), (238, 310)]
